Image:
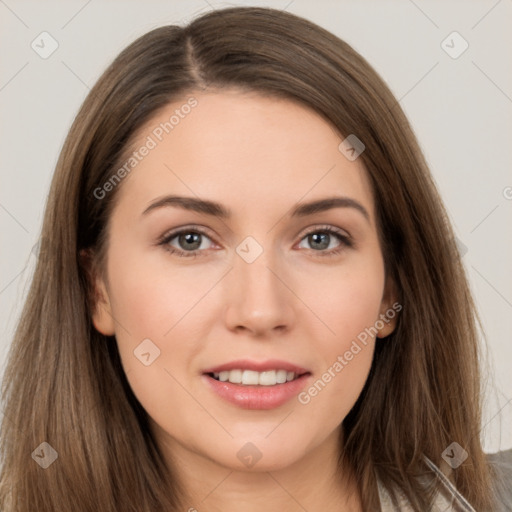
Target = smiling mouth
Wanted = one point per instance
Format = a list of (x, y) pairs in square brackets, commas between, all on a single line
[(254, 378)]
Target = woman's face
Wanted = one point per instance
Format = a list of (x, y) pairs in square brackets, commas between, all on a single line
[(224, 264)]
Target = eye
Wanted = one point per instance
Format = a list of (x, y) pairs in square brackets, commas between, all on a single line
[(193, 241), (326, 240), (186, 242)]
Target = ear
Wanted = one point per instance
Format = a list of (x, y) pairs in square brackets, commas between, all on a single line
[(98, 298), (389, 309)]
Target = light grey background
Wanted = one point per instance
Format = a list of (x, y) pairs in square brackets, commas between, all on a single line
[(461, 110)]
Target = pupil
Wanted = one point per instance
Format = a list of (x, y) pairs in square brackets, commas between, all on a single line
[(193, 240), (320, 240), (190, 240)]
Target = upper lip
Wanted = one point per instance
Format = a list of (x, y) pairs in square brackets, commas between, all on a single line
[(257, 366)]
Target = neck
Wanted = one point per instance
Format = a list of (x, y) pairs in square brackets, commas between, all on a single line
[(314, 482)]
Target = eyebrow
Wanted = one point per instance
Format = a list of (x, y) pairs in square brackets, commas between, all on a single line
[(215, 209)]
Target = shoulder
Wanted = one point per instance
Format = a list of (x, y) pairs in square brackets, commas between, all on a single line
[(502, 460), (501, 463), (451, 499)]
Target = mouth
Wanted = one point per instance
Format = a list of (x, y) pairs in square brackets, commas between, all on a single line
[(254, 378), (251, 385)]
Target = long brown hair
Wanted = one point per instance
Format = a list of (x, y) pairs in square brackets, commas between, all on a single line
[(64, 383)]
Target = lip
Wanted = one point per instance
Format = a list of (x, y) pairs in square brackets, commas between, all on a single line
[(257, 397), (257, 366)]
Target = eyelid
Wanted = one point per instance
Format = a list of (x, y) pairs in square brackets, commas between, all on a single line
[(184, 229), (166, 238), (325, 227), (207, 232), (345, 238)]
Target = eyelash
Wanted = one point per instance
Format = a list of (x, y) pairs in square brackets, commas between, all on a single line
[(345, 241)]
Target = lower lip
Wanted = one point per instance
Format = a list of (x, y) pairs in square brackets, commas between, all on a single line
[(257, 397)]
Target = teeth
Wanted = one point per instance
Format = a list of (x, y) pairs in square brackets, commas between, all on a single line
[(268, 378), (235, 376), (252, 378), (281, 376)]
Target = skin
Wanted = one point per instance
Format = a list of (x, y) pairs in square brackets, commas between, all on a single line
[(259, 157)]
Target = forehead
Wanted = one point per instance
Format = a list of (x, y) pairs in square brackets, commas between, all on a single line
[(245, 149)]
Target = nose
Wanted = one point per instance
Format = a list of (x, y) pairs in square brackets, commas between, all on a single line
[(258, 299)]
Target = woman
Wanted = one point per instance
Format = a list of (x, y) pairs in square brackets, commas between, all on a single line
[(248, 293)]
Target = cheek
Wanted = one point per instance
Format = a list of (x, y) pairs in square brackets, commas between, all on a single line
[(160, 325), (348, 308), (344, 361), (151, 297), (346, 299)]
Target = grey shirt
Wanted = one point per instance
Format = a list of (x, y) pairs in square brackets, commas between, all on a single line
[(452, 500)]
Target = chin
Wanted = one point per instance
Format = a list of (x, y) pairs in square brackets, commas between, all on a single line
[(259, 455)]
